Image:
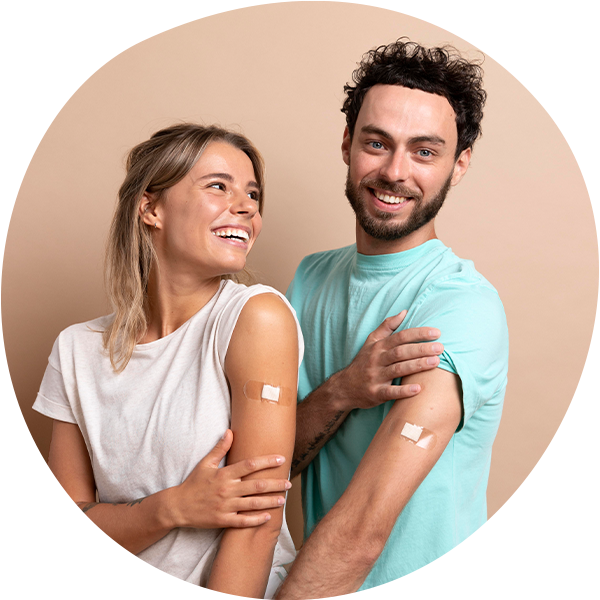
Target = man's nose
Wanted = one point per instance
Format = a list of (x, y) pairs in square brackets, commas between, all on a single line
[(396, 167)]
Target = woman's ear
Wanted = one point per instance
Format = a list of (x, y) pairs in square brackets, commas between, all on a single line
[(147, 211)]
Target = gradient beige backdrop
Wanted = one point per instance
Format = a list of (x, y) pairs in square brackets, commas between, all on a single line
[(276, 73)]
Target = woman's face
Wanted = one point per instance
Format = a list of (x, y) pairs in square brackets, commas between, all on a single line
[(207, 223)]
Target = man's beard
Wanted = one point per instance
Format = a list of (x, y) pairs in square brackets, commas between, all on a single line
[(379, 227)]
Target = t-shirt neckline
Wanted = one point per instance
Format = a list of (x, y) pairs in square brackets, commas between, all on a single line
[(395, 260)]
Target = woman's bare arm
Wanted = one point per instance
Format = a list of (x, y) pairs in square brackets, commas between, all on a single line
[(263, 348), (209, 498)]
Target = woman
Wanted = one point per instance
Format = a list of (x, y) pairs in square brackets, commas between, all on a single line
[(140, 398)]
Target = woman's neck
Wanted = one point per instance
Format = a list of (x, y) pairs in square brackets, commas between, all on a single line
[(173, 301)]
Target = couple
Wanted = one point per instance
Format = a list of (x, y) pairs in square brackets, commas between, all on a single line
[(193, 369)]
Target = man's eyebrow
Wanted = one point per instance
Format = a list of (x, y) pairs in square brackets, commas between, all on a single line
[(419, 139), (376, 131), (226, 177), (430, 139)]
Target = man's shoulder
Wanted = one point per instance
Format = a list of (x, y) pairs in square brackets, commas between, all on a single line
[(455, 297), (315, 270), (456, 277), (326, 258)]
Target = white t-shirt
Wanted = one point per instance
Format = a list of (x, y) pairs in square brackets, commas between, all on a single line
[(147, 428)]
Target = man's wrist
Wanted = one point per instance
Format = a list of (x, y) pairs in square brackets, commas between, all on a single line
[(338, 393)]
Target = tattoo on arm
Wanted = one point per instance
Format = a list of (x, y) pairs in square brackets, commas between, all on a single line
[(85, 506), (84, 510), (133, 502), (318, 438)]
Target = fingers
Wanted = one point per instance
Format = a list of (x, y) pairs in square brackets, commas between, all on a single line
[(251, 465), (410, 336), (387, 327), (410, 367), (247, 520), (216, 455), (253, 504), (261, 486), (258, 503), (399, 392), (408, 352)]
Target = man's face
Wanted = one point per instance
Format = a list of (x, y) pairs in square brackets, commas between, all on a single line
[(401, 164)]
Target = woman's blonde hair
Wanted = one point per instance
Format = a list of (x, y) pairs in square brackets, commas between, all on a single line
[(152, 167)]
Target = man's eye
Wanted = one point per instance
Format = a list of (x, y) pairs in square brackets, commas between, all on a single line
[(425, 153), (376, 145)]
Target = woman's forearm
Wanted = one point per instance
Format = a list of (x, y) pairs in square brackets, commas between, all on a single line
[(244, 560), (134, 525)]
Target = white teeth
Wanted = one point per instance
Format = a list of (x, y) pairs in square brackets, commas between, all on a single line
[(226, 233), (390, 199)]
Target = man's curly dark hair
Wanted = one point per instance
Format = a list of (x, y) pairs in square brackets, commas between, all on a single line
[(440, 71)]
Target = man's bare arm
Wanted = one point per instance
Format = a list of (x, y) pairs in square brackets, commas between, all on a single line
[(343, 548), (366, 382)]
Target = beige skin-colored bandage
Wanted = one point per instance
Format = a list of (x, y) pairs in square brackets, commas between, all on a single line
[(419, 436), (265, 392)]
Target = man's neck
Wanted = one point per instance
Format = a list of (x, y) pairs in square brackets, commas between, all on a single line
[(366, 244)]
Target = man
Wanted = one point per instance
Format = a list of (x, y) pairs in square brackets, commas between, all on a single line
[(382, 498)]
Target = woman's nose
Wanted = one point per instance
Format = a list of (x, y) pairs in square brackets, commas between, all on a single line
[(243, 204)]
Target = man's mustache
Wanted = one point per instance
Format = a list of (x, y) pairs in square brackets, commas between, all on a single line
[(394, 188)]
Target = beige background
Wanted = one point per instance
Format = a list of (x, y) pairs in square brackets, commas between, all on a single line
[(276, 73)]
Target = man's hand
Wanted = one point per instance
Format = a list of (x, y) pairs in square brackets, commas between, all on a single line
[(366, 382), (212, 498)]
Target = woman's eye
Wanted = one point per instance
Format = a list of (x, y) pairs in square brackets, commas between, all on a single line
[(218, 186), (253, 195)]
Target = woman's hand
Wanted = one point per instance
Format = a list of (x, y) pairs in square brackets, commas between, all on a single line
[(210, 497)]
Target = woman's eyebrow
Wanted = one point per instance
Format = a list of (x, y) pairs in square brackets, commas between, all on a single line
[(227, 177)]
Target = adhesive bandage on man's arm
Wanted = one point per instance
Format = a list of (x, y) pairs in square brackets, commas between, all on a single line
[(265, 392), (419, 436)]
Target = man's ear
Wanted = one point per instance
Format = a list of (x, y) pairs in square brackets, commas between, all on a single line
[(346, 143), (147, 210), (461, 166)]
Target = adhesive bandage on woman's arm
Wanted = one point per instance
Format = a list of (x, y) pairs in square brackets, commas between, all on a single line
[(265, 392), (419, 436)]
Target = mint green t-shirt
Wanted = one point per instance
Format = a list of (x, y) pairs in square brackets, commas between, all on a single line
[(340, 296)]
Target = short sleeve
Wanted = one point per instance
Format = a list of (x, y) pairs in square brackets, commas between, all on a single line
[(473, 329), (52, 399), (231, 311)]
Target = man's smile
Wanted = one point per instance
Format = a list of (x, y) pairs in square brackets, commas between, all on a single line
[(389, 198)]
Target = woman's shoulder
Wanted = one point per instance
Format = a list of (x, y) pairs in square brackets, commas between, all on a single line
[(255, 298), (257, 310), (233, 289), (266, 312), (81, 339), (86, 328)]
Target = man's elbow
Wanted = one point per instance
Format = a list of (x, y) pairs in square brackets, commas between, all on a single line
[(360, 542), (367, 542)]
